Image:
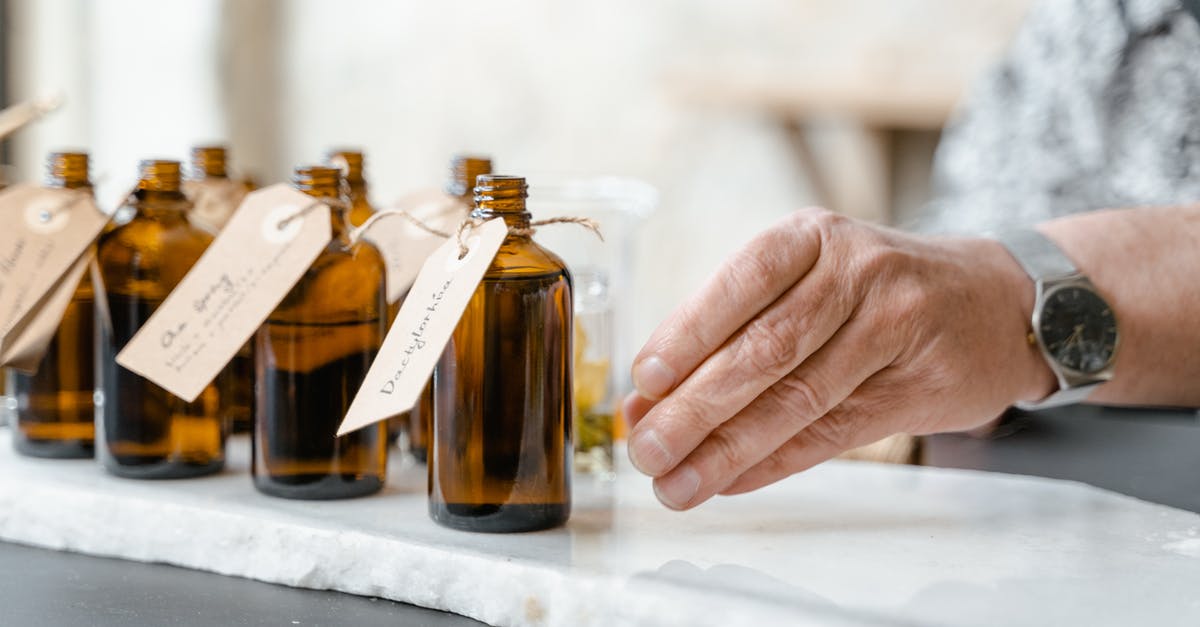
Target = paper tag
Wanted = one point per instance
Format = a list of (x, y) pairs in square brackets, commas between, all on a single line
[(46, 231), (242, 276), (213, 202), (24, 347), (404, 245), (423, 327)]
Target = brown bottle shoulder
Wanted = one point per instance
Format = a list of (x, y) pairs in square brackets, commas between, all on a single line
[(343, 285), (149, 256), (525, 258)]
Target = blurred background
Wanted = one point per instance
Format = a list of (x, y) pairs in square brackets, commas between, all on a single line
[(737, 112)]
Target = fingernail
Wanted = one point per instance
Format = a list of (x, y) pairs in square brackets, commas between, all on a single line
[(679, 488), (653, 378), (648, 453)]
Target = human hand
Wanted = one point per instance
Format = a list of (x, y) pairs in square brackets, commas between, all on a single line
[(821, 335)]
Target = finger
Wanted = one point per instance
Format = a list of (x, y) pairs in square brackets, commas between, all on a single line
[(849, 358), (635, 408), (764, 351), (747, 282), (824, 439)]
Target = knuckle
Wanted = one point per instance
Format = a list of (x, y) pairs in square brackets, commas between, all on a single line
[(880, 259), (831, 432), (748, 273), (802, 397), (685, 330), (819, 217), (694, 411), (781, 462), (728, 451), (912, 303), (771, 346)]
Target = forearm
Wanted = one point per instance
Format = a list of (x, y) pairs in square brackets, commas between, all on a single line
[(1146, 263)]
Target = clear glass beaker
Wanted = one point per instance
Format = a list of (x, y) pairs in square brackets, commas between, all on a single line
[(603, 280)]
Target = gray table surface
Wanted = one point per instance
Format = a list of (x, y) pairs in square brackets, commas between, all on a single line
[(1154, 455), (1150, 454)]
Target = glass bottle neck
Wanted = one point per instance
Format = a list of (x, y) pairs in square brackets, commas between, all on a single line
[(339, 212), (518, 219), (168, 205)]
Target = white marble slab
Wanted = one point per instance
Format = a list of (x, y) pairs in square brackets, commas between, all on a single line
[(848, 543)]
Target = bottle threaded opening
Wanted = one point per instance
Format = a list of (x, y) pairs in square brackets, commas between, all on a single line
[(464, 170), (318, 180), (159, 175), (209, 161), (67, 169), (500, 193)]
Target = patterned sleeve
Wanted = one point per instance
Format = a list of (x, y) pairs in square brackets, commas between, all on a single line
[(1073, 118)]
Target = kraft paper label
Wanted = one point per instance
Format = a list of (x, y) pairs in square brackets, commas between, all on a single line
[(423, 327), (263, 251), (46, 233), (404, 245), (213, 202), (25, 346)]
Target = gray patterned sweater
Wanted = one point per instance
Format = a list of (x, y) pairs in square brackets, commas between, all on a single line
[(1096, 104)]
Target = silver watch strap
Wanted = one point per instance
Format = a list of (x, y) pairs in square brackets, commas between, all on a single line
[(1066, 396), (1043, 261), (1038, 255)]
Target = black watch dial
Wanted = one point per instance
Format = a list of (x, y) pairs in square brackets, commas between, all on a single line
[(1079, 329)]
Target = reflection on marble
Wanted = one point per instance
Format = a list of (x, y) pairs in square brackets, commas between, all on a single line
[(848, 543)]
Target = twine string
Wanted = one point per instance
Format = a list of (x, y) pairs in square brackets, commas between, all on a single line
[(332, 203), (465, 227), (357, 233), (472, 223)]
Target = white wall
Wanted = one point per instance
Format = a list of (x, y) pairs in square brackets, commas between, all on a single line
[(567, 86)]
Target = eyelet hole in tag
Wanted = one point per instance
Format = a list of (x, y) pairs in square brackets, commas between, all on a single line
[(282, 224), (456, 261), (264, 250), (423, 326), (48, 231), (48, 214)]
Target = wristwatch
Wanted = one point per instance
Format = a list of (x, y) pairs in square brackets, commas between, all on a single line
[(1073, 326)]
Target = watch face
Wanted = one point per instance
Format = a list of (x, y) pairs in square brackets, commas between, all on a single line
[(1079, 329)]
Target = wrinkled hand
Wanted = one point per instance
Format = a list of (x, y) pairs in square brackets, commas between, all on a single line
[(823, 334)]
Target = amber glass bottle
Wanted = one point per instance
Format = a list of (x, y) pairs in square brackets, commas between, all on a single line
[(500, 451), (236, 382), (356, 183), (144, 431), (350, 162), (208, 162), (55, 416), (463, 171), (311, 355)]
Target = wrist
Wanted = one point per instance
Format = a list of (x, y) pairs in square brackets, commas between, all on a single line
[(1031, 377)]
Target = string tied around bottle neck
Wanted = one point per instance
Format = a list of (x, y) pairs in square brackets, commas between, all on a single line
[(332, 203), (465, 227)]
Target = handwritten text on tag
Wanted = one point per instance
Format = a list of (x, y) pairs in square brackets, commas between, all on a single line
[(46, 232), (262, 252), (427, 318)]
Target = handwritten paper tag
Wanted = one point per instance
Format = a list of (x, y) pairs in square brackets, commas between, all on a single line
[(24, 347), (46, 232), (406, 246), (242, 276), (213, 202), (424, 325)]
